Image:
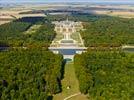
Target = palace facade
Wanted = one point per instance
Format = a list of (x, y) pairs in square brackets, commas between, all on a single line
[(67, 27)]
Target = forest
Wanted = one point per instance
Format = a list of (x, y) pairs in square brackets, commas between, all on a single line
[(105, 74), (28, 70), (112, 32), (29, 74), (12, 34)]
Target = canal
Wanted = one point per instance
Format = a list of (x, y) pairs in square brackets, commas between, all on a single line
[(131, 50)]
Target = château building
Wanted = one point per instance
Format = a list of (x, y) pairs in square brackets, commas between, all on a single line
[(67, 28)]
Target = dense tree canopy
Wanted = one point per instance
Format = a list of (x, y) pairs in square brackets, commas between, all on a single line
[(12, 33), (109, 32), (106, 75), (28, 71), (31, 74)]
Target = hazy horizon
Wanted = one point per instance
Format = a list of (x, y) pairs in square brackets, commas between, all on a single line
[(69, 1)]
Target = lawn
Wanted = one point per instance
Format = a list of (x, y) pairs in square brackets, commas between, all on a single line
[(58, 37), (69, 80), (32, 29), (76, 37)]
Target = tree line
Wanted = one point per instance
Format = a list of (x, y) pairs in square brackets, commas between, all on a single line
[(77, 17)]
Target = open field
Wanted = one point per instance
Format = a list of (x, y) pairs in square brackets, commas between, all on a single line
[(7, 15), (3, 22), (10, 16), (125, 11), (123, 14), (58, 37), (75, 36), (32, 29)]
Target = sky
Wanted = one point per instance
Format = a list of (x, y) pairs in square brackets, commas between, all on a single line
[(45, 1)]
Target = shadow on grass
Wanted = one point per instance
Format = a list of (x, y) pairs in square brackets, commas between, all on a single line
[(50, 98), (63, 68), (31, 20), (65, 61), (3, 46), (62, 76)]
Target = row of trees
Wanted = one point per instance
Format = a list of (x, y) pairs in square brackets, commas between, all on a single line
[(31, 74), (77, 17), (109, 32), (105, 74)]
